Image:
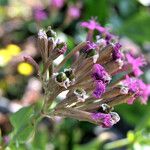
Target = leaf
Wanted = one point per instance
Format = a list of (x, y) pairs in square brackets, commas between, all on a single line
[(99, 8), (137, 27), (93, 145), (132, 114), (40, 140), (21, 121)]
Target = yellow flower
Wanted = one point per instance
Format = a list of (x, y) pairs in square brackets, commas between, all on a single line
[(25, 69), (4, 57), (13, 49)]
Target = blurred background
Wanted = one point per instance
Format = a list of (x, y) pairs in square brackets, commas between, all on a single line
[(20, 21)]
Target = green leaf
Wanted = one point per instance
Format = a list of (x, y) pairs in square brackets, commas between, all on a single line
[(137, 27), (93, 145), (22, 123), (40, 140), (132, 114), (99, 8)]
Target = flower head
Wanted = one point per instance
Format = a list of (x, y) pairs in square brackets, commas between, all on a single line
[(93, 25), (100, 88), (116, 53), (100, 74), (136, 63), (25, 69), (144, 91), (90, 46), (138, 87), (90, 95), (106, 120)]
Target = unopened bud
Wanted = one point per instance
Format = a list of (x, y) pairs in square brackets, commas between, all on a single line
[(91, 53), (61, 47), (81, 94), (106, 108), (69, 73), (115, 117), (31, 61), (50, 32), (42, 34), (61, 77)]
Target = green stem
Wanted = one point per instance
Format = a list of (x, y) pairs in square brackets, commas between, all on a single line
[(117, 144)]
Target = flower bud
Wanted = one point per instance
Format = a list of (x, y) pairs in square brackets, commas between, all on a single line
[(81, 94), (105, 108), (61, 47), (42, 34), (115, 117), (50, 33), (69, 73), (61, 77)]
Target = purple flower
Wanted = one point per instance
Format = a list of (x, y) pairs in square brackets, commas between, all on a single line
[(100, 74), (39, 14), (144, 91), (74, 12), (90, 45), (139, 88), (57, 3), (116, 52), (109, 37), (132, 84), (100, 88), (104, 119), (136, 64), (93, 25)]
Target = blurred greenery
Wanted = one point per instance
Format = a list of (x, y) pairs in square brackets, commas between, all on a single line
[(137, 27)]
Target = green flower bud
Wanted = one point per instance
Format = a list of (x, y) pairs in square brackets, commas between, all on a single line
[(61, 77), (50, 32), (91, 53), (69, 73)]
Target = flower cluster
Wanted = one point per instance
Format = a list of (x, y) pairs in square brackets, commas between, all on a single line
[(91, 92)]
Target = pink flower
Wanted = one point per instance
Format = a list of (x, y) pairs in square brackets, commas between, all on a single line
[(90, 46), (99, 73), (57, 3), (74, 12), (100, 88), (116, 52), (93, 25), (145, 91), (39, 14), (136, 64), (104, 119), (139, 88)]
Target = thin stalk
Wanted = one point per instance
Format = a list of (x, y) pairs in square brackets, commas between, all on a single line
[(117, 144), (77, 48)]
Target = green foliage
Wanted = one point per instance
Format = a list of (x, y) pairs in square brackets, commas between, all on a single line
[(99, 8), (23, 125), (137, 27), (132, 114), (93, 145)]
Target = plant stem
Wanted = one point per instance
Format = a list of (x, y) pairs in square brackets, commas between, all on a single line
[(116, 144), (77, 48)]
